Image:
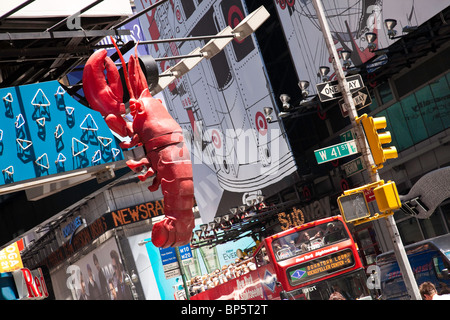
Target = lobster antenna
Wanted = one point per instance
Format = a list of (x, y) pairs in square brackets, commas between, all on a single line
[(124, 66)]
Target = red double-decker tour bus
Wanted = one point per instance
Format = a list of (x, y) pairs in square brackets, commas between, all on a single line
[(315, 261)]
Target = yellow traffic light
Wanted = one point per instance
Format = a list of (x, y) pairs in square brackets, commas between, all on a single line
[(386, 196), (353, 204), (377, 139)]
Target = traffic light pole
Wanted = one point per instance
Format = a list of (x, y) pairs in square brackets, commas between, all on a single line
[(363, 147)]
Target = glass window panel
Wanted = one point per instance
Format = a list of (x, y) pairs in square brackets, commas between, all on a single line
[(432, 227), (409, 231), (385, 93), (446, 212), (429, 111), (373, 106), (440, 90), (401, 137), (413, 118)]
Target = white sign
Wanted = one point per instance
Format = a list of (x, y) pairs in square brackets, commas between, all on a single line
[(30, 284), (349, 22), (219, 104)]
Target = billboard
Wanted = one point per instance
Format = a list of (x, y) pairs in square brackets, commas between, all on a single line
[(99, 275), (219, 104), (349, 21), (45, 132)]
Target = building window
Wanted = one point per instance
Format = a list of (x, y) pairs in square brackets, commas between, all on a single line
[(413, 118), (385, 93), (419, 115), (409, 231), (446, 213), (401, 136), (429, 111), (440, 91)]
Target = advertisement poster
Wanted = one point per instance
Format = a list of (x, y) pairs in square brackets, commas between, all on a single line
[(205, 260), (99, 275), (219, 104), (349, 22), (10, 258)]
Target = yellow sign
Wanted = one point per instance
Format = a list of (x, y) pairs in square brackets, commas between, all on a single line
[(10, 258)]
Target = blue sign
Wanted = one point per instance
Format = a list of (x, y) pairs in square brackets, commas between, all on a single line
[(72, 226), (168, 255), (185, 252), (298, 274), (44, 131), (270, 280)]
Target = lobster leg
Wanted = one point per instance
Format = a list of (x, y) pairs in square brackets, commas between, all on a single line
[(138, 166)]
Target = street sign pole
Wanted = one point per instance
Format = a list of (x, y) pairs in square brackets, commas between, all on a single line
[(363, 147)]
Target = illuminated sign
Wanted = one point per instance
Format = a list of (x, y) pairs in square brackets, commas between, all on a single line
[(108, 221), (46, 132), (10, 258), (30, 284), (291, 219), (72, 226), (320, 267)]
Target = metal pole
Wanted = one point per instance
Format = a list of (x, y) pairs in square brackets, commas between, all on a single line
[(399, 249), (183, 275)]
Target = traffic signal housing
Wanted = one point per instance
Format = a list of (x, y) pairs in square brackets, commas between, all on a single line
[(386, 196), (353, 203), (377, 139)]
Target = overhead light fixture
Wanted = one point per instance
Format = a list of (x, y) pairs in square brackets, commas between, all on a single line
[(164, 80), (303, 85), (285, 100), (212, 225), (214, 46), (346, 54), (186, 64), (267, 112), (323, 72), (371, 37), (390, 25), (250, 23)]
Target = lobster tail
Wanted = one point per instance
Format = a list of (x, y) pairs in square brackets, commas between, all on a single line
[(177, 187)]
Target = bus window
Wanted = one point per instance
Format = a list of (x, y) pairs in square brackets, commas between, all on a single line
[(261, 257), (441, 268), (347, 287), (309, 239)]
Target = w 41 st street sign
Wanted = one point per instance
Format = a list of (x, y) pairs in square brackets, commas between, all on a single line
[(337, 151), (331, 90)]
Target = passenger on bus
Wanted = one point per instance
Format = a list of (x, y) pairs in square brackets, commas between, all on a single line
[(332, 233), (305, 241), (428, 292)]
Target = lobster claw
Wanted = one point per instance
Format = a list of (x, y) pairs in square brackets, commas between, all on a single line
[(105, 96), (136, 75)]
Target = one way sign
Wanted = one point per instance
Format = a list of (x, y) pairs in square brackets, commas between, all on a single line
[(330, 90)]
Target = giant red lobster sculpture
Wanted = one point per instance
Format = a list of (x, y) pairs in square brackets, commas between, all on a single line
[(167, 157)]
